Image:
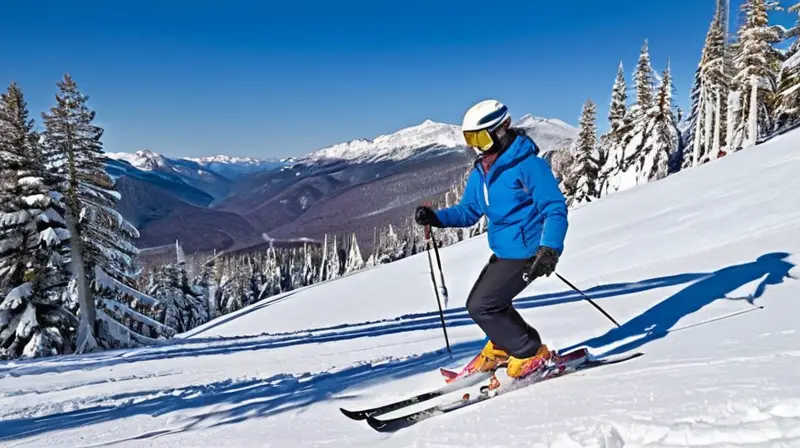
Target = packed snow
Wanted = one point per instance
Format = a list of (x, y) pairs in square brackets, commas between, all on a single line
[(699, 268)]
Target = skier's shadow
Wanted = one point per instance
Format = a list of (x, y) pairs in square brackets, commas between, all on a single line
[(657, 322)]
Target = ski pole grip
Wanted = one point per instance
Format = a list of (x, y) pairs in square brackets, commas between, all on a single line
[(427, 227)]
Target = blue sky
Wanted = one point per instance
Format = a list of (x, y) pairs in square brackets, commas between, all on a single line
[(274, 79)]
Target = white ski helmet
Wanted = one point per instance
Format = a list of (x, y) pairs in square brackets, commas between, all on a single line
[(480, 120), (485, 115)]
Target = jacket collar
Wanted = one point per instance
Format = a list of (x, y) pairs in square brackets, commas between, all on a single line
[(522, 146)]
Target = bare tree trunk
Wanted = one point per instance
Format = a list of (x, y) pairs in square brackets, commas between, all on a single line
[(752, 124), (717, 124), (86, 331), (698, 126), (708, 129), (733, 107), (86, 341)]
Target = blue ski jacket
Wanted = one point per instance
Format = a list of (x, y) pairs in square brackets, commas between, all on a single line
[(520, 197)]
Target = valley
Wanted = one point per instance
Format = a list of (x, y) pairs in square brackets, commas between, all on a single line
[(227, 203)]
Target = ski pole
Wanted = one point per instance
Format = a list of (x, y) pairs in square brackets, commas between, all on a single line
[(428, 235), (587, 299), (441, 272), (443, 286)]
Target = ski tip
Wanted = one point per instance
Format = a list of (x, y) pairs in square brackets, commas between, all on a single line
[(449, 374), (355, 415), (377, 425)]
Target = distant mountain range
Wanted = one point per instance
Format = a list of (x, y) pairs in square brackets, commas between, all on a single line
[(150, 165), (228, 203), (236, 167)]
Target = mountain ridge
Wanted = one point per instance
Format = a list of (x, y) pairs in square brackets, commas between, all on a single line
[(304, 196)]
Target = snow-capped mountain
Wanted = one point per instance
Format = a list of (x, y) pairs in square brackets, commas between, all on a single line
[(144, 160), (432, 138), (187, 171), (417, 162), (168, 199), (401, 145), (420, 161), (549, 133), (235, 167)]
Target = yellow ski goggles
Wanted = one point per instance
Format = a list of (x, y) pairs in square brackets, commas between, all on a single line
[(479, 139)]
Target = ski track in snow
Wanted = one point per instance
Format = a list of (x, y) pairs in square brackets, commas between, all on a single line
[(699, 269)]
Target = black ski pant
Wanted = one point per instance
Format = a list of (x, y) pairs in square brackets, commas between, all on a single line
[(489, 304)]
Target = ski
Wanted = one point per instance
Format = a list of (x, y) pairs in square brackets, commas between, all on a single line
[(465, 381), (457, 382), (394, 424)]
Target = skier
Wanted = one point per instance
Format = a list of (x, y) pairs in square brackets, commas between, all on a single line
[(527, 216)]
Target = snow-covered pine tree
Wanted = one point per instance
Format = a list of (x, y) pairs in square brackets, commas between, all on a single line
[(33, 277), (391, 247), (663, 135), (618, 110), (332, 258), (644, 79), (416, 240), (613, 142), (707, 131), (692, 136), (620, 172), (103, 253), (197, 312), (296, 273), (166, 289), (205, 284), (323, 263), (230, 293), (182, 307), (309, 272), (788, 101), (756, 65), (354, 259), (603, 150), (585, 170)]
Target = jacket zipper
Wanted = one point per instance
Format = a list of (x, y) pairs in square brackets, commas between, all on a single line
[(484, 183)]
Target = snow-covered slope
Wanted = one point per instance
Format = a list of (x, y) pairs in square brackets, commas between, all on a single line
[(683, 264)]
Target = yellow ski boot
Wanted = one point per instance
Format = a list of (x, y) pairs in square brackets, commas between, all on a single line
[(489, 359), (521, 367)]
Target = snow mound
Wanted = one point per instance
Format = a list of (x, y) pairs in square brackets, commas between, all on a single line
[(735, 424)]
